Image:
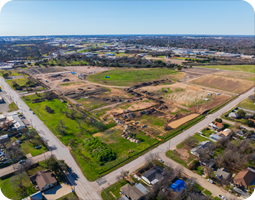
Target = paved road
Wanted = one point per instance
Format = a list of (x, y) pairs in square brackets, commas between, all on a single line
[(233, 123), (111, 178), (214, 189), (81, 185), (14, 167), (87, 190)]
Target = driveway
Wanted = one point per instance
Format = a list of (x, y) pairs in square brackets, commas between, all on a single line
[(57, 192)]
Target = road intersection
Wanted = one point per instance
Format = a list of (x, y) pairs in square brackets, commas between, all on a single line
[(91, 190)]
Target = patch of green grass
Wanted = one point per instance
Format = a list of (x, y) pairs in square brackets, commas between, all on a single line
[(29, 147), (129, 77), (70, 196), (199, 188), (20, 81), (206, 192), (173, 155), (200, 170), (217, 198), (11, 190), (242, 68), (196, 136), (115, 189), (12, 107), (149, 119), (247, 104)]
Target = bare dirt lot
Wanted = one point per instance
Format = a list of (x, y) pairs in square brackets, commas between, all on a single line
[(179, 93), (192, 73), (236, 75), (224, 83)]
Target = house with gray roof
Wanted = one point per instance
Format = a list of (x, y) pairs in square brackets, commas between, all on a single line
[(154, 175)]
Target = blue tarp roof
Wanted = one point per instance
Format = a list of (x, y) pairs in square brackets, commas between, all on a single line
[(107, 76), (178, 185)]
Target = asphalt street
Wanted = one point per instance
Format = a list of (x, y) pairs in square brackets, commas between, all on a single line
[(81, 185), (112, 177), (10, 169), (92, 190)]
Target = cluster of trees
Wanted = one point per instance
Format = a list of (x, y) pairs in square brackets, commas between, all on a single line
[(117, 62), (242, 115), (234, 156), (161, 190), (230, 44), (29, 84), (23, 50), (99, 150)]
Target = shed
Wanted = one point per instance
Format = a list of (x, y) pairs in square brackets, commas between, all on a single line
[(178, 186)]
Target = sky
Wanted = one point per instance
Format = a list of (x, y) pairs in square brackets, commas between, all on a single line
[(26, 18)]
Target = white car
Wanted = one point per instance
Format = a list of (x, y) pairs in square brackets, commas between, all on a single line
[(222, 197), (210, 181), (161, 160)]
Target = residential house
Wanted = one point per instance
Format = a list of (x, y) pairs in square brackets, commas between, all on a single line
[(154, 175), (17, 122), (224, 133), (222, 174), (2, 117), (4, 138), (215, 137), (134, 192), (201, 145), (217, 125), (244, 178), (44, 180), (233, 115)]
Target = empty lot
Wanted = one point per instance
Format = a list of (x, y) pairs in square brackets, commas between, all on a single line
[(224, 83)]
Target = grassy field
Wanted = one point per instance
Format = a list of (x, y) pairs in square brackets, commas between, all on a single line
[(129, 77), (20, 81), (241, 68), (12, 107), (115, 189), (11, 190), (77, 133), (247, 104)]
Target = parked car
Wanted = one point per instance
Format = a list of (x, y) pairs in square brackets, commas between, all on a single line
[(161, 160), (21, 161), (33, 113), (222, 197), (38, 147), (210, 181)]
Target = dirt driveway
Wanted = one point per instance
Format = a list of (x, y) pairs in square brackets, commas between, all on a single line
[(57, 192)]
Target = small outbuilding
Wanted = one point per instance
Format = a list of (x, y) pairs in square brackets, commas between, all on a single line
[(178, 186)]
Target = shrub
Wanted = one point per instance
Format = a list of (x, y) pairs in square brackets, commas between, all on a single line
[(99, 150)]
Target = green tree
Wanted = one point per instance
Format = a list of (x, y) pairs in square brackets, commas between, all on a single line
[(251, 189), (241, 113)]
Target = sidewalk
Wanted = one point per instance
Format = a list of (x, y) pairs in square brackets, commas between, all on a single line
[(10, 169)]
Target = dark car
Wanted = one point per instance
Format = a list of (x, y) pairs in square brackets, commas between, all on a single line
[(38, 147)]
